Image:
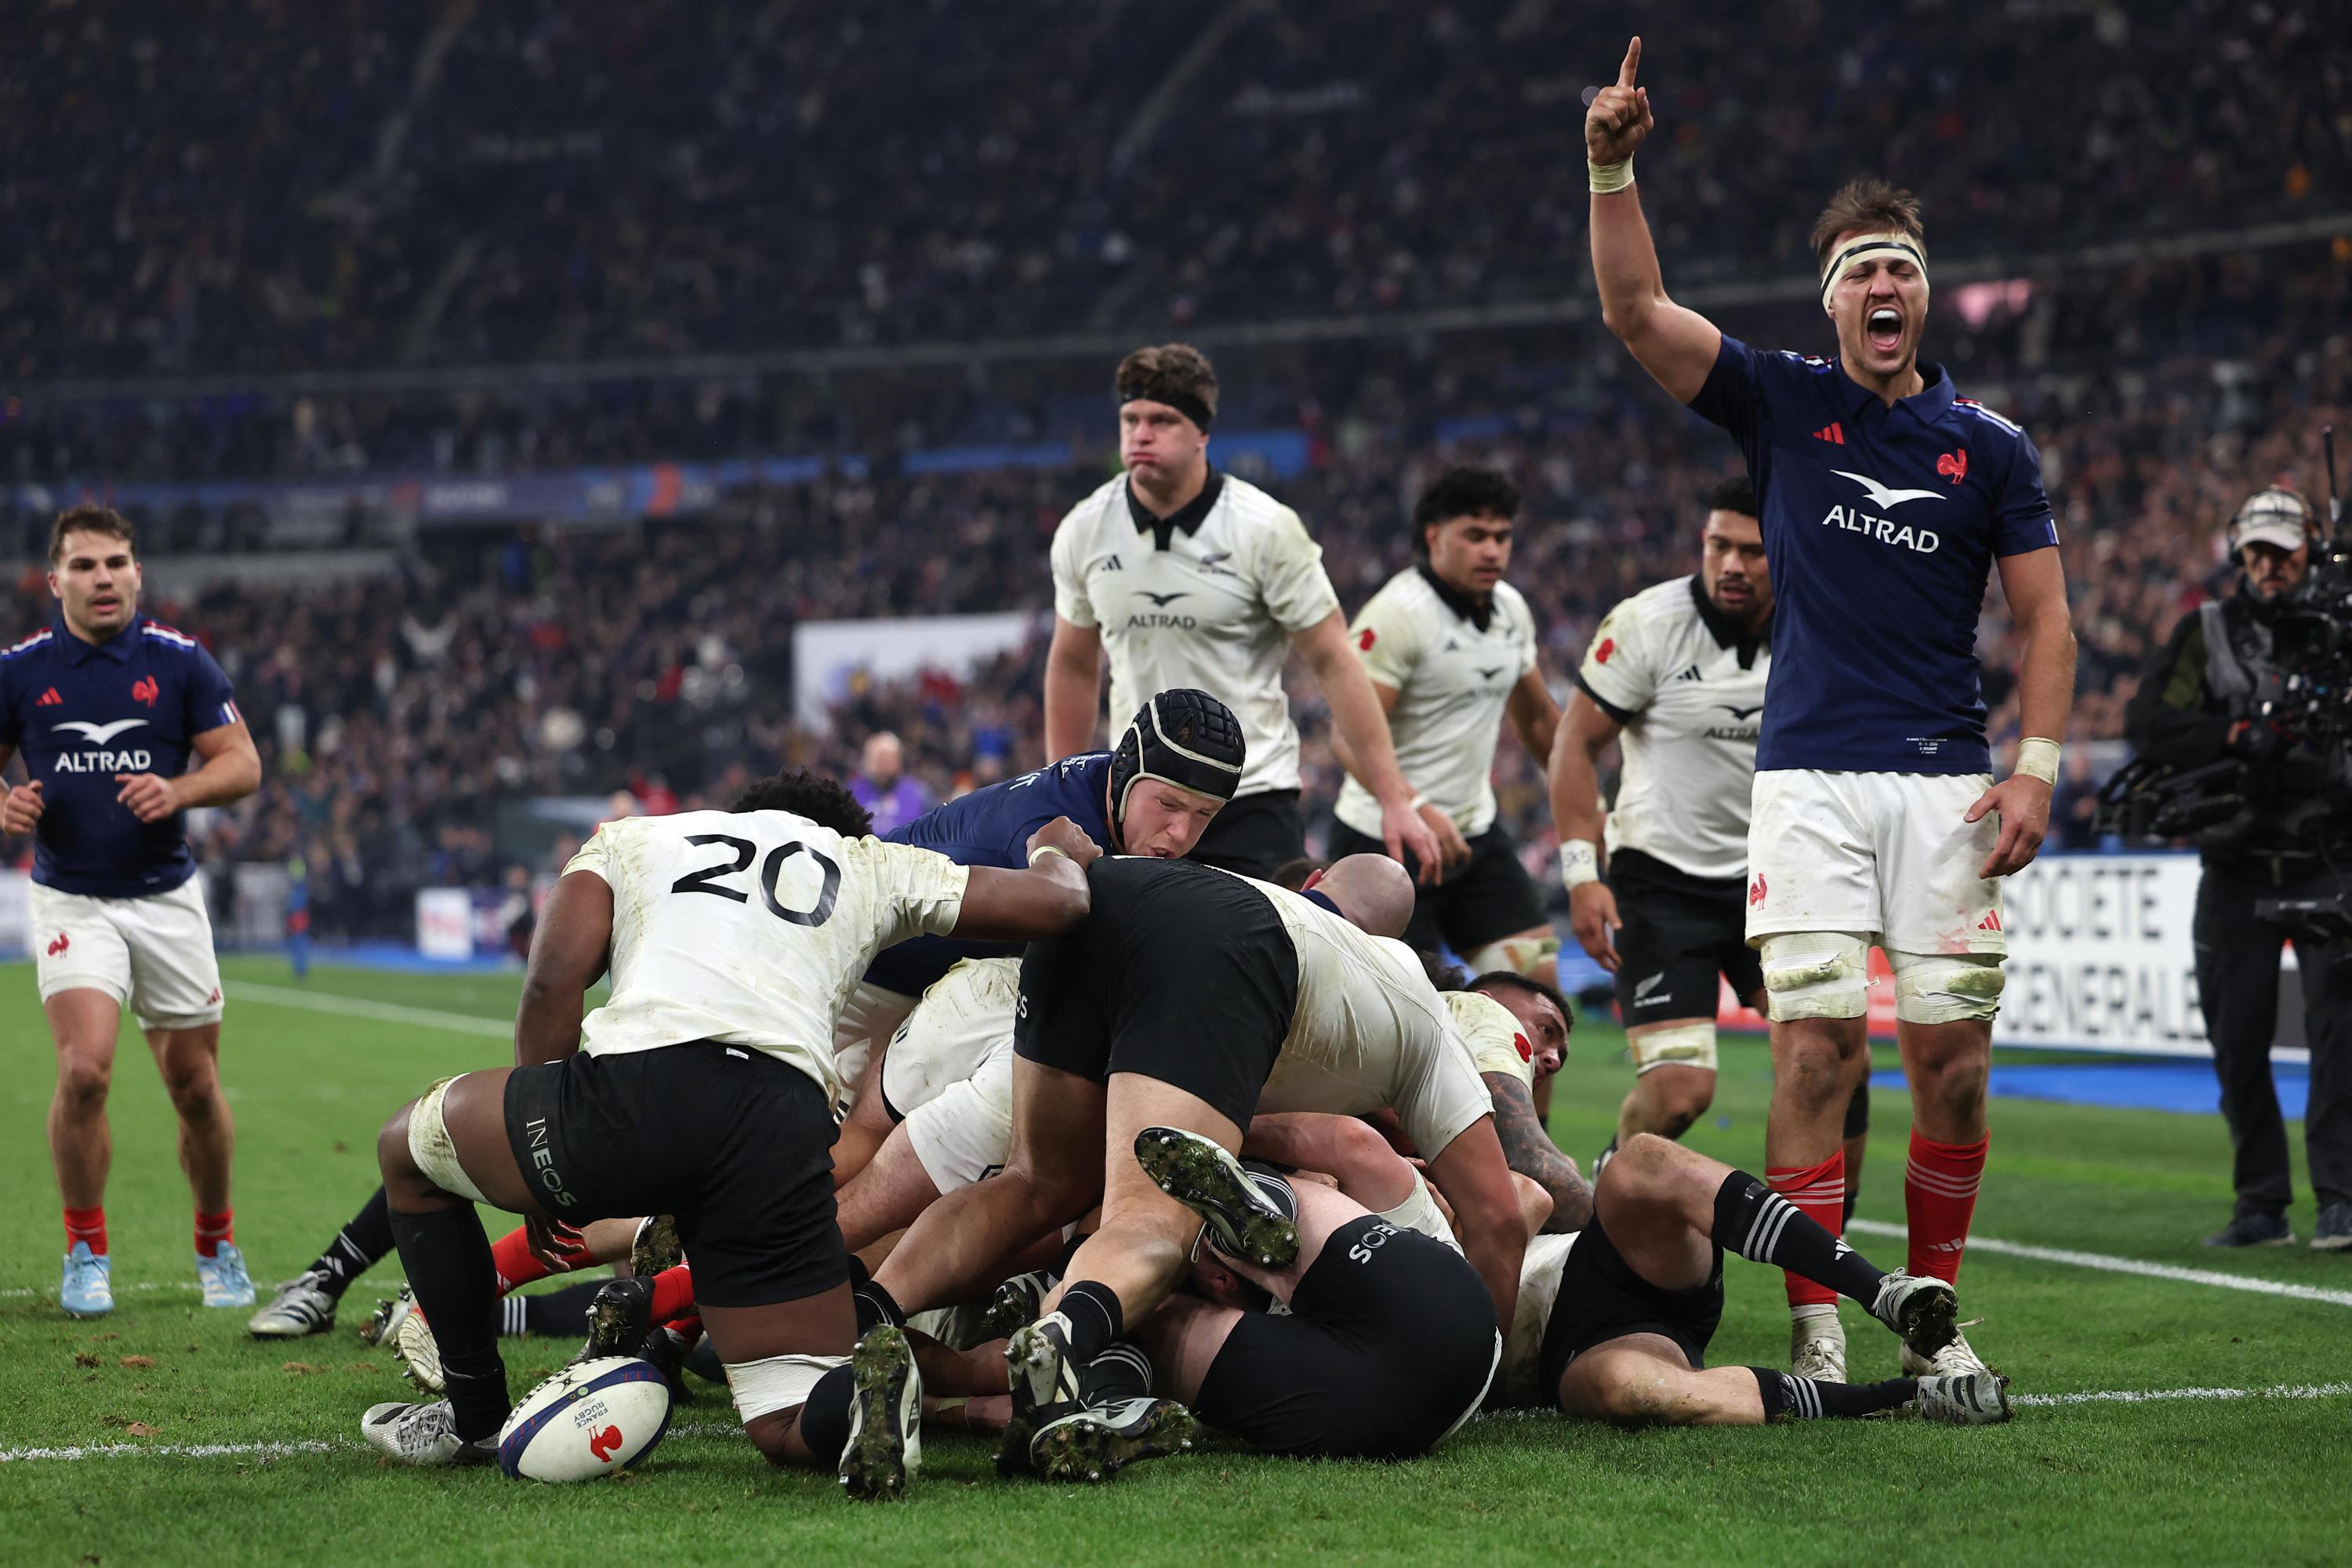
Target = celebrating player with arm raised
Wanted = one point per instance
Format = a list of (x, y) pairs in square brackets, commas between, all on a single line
[(1190, 577), (109, 708), (1885, 499)]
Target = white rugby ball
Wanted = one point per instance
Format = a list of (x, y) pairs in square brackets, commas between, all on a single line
[(586, 1421)]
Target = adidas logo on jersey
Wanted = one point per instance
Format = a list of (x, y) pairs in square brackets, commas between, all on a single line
[(1990, 923), (1690, 674), (50, 698), (1833, 433)]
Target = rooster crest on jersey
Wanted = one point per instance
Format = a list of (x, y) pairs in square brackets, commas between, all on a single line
[(1182, 737)]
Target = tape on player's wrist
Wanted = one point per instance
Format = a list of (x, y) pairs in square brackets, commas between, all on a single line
[(1580, 862), (1045, 850), (2038, 758)]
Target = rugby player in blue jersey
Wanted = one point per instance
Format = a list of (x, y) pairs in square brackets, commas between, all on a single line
[(1886, 499), (110, 708)]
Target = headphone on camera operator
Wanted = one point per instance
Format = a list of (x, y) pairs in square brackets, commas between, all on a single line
[(2273, 539)]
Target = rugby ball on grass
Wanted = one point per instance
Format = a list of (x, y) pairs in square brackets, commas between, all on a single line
[(586, 1421)]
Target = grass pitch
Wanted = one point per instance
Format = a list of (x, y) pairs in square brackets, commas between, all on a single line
[(164, 1434)]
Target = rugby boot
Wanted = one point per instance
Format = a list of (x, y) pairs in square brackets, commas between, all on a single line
[(223, 1276), (424, 1434), (1043, 1377), (619, 1318), (886, 1430), (1243, 1223), (1955, 1358), (1096, 1443), (419, 1352), (86, 1289), (382, 1326), (1964, 1398), (657, 1246), (1817, 1348), (303, 1306), (1920, 1310), (1017, 1303)]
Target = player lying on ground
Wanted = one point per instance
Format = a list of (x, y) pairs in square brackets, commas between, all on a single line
[(1613, 1322), (1885, 501), (1154, 793), (704, 1089), (1173, 1004)]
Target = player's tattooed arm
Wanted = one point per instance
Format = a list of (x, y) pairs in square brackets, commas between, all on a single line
[(570, 949), (1531, 1151)]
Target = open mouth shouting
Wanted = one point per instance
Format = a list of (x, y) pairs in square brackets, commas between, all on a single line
[(1882, 329)]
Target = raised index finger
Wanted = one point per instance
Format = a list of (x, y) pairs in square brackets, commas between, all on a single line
[(1632, 62)]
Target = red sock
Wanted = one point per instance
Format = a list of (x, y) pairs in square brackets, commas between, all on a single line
[(687, 1329), (516, 1266), (673, 1293), (1940, 1198), (211, 1230), (1818, 1192), (86, 1225)]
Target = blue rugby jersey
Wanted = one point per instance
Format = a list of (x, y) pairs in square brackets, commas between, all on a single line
[(1881, 525), (992, 827), (80, 713)]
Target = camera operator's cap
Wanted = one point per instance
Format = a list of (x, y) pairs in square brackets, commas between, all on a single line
[(2277, 516)]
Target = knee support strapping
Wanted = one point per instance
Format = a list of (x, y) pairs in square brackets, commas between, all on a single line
[(1945, 987), (1684, 1046), (1816, 974)]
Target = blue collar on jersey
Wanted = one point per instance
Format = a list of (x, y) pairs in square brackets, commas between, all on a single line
[(115, 648), (1928, 405), (1318, 896)]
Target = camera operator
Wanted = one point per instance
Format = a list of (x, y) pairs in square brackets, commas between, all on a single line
[(2208, 695)]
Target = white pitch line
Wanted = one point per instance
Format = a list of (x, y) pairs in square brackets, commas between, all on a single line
[(382, 1012), (2129, 1266), (2151, 1396), (716, 1429)]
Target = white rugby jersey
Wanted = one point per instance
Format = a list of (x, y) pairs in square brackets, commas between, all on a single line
[(1452, 678), (1369, 1033), (1214, 607), (1688, 686), (749, 928), (1492, 1032)]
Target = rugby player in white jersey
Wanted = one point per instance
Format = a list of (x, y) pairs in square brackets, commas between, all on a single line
[(1886, 501), (1190, 577), (704, 1089), (1451, 650)]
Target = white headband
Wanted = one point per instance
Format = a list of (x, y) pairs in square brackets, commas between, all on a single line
[(1863, 248)]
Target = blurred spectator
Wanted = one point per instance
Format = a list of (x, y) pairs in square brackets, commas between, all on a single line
[(882, 787)]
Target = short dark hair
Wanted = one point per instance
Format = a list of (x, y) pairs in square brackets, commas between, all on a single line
[(88, 517), (1172, 373), (1866, 207), (1529, 984), (1462, 492), (1734, 494), (803, 793), (1292, 875)]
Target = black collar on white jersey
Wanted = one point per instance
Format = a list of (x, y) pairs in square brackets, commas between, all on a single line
[(1187, 517), (1726, 632), (1456, 600)]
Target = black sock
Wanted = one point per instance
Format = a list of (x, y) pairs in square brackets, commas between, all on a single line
[(825, 1418), (1274, 1186), (1793, 1398), (875, 1306), (447, 1259), (1122, 1372), (1095, 1318), (358, 1247), (559, 1314), (1762, 1227)]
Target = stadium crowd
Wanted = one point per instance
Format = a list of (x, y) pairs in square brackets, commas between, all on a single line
[(393, 718), (231, 186)]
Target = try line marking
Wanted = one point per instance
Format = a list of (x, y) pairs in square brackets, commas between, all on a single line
[(382, 1012), (2129, 1266), (721, 1429)]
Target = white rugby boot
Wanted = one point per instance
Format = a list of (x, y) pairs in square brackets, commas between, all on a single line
[(1817, 1347)]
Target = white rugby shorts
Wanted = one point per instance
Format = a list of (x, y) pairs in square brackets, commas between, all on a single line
[(962, 1016), (152, 955), (964, 1134), (1885, 855)]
